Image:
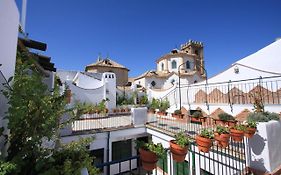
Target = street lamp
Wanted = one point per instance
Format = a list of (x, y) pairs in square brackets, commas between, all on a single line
[(201, 66)]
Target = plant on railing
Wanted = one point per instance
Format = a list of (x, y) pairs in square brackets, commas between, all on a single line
[(237, 132), (164, 105), (226, 117), (197, 114), (149, 153), (177, 112), (153, 105), (34, 116), (251, 128), (263, 116), (222, 136), (179, 146), (258, 103), (204, 140), (143, 100)]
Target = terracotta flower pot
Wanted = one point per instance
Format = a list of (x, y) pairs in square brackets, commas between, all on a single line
[(162, 113), (148, 159), (236, 135), (179, 116), (204, 144), (222, 139), (151, 111), (178, 152), (230, 123), (249, 133)]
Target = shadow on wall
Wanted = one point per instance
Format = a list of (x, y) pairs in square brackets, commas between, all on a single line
[(257, 145)]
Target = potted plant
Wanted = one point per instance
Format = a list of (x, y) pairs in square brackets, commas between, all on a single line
[(237, 132), (204, 140), (149, 154), (251, 128), (178, 114), (153, 105), (115, 110), (226, 119), (197, 117), (127, 109), (164, 105), (179, 147), (222, 136)]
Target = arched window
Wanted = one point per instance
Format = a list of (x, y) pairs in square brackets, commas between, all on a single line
[(195, 81), (153, 83), (187, 65), (174, 64), (162, 66)]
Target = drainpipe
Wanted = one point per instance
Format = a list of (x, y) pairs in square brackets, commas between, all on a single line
[(107, 153)]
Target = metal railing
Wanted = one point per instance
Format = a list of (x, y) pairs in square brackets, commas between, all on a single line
[(229, 160), (101, 121), (231, 92)]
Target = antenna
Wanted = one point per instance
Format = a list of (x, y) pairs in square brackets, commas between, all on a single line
[(23, 15)]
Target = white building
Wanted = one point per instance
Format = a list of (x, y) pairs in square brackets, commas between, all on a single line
[(188, 62), (90, 87)]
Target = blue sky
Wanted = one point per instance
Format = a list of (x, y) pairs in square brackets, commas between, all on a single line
[(137, 32)]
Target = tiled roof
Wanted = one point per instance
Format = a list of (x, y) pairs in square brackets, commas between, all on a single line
[(160, 74), (106, 63)]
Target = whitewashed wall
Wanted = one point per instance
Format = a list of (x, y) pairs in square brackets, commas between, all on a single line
[(9, 22), (264, 151)]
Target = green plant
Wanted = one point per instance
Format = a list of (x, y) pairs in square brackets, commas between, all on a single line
[(164, 105), (181, 139), (34, 117), (177, 112), (154, 104), (240, 127), (258, 103), (222, 130), (7, 167), (207, 133), (226, 117), (143, 100), (197, 114), (263, 116), (251, 124), (158, 148)]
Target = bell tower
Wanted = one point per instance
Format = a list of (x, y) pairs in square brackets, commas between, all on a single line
[(195, 48)]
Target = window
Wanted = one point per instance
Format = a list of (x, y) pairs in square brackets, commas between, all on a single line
[(162, 66), (98, 154), (174, 64), (196, 52), (195, 81), (153, 83), (187, 65), (173, 81), (121, 150)]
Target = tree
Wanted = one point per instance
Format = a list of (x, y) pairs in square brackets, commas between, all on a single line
[(34, 116)]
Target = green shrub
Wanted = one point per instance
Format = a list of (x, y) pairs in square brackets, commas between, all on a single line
[(7, 167), (197, 114), (177, 112), (222, 129), (226, 117), (158, 148), (207, 133), (154, 104), (164, 105), (181, 139), (239, 127), (263, 116)]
